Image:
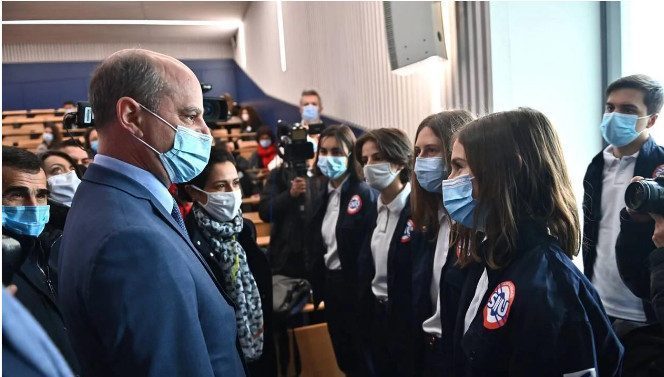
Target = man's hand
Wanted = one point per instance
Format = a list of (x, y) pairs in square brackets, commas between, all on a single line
[(635, 215), (298, 187), (658, 235)]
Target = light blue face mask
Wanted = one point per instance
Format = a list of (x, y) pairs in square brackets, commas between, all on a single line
[(333, 167), (430, 172), (25, 220), (620, 129), (189, 155), (94, 145), (458, 200), (310, 113)]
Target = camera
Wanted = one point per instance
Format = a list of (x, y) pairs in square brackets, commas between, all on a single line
[(297, 149), (646, 195), (83, 117), (214, 109)]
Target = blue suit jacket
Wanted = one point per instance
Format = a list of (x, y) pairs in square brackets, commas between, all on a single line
[(138, 298)]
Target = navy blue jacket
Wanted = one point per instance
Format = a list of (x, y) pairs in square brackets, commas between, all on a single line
[(649, 162), (138, 298), (407, 248), (539, 317), (355, 218)]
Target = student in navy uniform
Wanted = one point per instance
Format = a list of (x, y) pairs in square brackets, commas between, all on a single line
[(433, 147), (525, 309), (392, 342), (340, 222)]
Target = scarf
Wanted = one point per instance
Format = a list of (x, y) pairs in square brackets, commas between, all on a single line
[(266, 154), (237, 279)]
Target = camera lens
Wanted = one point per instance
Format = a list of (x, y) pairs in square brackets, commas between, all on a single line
[(635, 195)]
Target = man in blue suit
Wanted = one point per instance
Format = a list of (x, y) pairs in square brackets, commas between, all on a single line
[(138, 298)]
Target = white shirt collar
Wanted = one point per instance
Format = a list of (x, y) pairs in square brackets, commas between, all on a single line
[(142, 177), (398, 203), (331, 188), (609, 157)]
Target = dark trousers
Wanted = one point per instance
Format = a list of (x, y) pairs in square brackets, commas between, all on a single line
[(341, 316), (434, 365)]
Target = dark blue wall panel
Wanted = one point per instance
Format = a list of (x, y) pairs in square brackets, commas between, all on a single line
[(48, 85)]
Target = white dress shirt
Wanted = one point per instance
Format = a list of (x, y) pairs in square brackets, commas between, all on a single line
[(386, 222), (329, 229), (618, 300), (142, 177), (432, 325)]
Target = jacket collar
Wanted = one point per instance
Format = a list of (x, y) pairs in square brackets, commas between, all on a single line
[(107, 177)]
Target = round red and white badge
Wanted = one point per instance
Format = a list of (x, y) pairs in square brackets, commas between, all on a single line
[(498, 307), (354, 205)]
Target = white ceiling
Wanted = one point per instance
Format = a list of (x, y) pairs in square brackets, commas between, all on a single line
[(232, 11)]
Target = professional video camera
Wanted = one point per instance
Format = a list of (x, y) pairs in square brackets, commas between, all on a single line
[(646, 195), (296, 149), (214, 109), (81, 118)]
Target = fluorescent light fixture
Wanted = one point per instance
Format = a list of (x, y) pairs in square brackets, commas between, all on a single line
[(229, 24), (282, 42)]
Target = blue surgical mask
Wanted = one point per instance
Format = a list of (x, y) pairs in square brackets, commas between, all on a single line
[(94, 145), (310, 113), (620, 129), (48, 138), (333, 167), (189, 155), (430, 172), (25, 220), (265, 143), (458, 200)]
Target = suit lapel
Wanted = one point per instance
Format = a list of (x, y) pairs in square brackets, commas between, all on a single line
[(101, 175)]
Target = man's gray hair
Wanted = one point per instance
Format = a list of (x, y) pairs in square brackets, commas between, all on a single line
[(130, 73)]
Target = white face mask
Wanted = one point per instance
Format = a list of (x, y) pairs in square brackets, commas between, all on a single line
[(62, 187), (380, 175), (222, 206)]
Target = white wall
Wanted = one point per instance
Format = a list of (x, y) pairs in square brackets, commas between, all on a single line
[(546, 55), (340, 49), (33, 53)]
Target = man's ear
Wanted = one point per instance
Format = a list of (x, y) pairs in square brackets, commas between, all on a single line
[(128, 113), (653, 119)]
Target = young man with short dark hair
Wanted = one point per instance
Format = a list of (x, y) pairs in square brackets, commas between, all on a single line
[(632, 107)]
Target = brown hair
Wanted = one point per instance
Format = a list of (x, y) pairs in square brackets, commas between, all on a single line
[(344, 136), (518, 163), (311, 92), (393, 144), (653, 94), (425, 204)]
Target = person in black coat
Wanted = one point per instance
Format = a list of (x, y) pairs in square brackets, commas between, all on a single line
[(31, 263), (228, 243), (525, 309), (338, 228), (286, 203), (640, 268), (389, 328)]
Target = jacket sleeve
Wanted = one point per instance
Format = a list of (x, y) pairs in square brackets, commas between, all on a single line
[(633, 246), (275, 199), (657, 283), (147, 315)]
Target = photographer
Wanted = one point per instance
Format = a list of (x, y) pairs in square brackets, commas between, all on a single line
[(642, 271), (286, 204)]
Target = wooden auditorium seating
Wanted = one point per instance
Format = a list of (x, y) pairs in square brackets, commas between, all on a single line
[(316, 354)]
